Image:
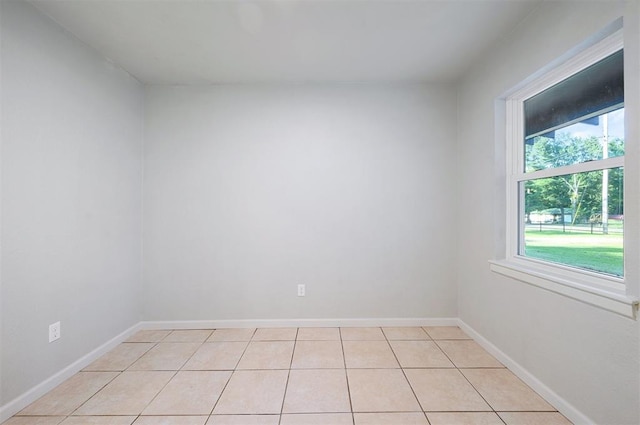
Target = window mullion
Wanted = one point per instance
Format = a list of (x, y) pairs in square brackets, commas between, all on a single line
[(583, 167)]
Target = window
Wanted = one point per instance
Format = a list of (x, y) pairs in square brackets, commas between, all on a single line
[(565, 179)]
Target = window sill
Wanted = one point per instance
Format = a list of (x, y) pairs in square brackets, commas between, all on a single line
[(621, 304)]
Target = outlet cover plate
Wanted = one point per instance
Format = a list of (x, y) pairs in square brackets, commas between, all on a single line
[(54, 331)]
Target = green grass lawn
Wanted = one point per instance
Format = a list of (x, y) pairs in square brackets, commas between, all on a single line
[(598, 252)]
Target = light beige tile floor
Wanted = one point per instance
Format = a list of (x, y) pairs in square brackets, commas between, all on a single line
[(289, 376)]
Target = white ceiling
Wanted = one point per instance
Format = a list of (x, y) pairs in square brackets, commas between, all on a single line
[(273, 41)]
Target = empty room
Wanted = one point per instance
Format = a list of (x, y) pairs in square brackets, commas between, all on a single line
[(319, 212)]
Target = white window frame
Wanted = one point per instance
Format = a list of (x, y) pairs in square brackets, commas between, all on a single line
[(608, 292)]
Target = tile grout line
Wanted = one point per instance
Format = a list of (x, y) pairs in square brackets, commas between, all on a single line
[(235, 368), (120, 372), (182, 370), (286, 385), (460, 372), (176, 371), (467, 379), (344, 362), (94, 394), (155, 343), (404, 374)]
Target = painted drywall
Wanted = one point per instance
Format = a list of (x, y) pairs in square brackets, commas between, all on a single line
[(72, 130), (586, 355), (251, 190)]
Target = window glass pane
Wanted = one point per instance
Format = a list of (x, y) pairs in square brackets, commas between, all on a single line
[(565, 221), (596, 138)]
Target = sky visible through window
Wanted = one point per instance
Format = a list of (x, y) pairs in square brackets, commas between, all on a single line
[(616, 127)]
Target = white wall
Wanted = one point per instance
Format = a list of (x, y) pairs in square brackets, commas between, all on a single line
[(586, 355), (250, 190), (72, 129)]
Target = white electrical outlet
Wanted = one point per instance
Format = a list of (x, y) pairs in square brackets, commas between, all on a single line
[(301, 290), (54, 331)]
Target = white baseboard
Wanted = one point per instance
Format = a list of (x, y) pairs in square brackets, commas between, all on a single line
[(296, 323), (563, 406), (25, 399)]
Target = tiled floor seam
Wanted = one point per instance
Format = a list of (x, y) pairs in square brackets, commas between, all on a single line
[(405, 376), (286, 385), (84, 402), (467, 379), (233, 371), (221, 392), (172, 376), (344, 363)]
